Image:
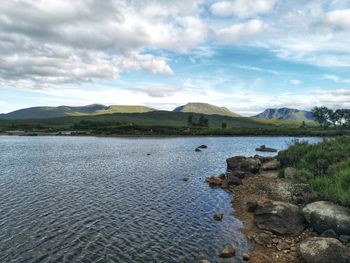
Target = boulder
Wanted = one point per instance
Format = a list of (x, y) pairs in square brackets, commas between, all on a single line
[(271, 165), (264, 159), (218, 217), (279, 217), (228, 252), (329, 233), (345, 239), (324, 215), (244, 164), (323, 250), (263, 148)]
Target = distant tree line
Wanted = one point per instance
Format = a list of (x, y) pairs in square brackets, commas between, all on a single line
[(326, 117)]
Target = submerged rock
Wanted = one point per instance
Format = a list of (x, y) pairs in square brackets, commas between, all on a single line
[(279, 217), (185, 179), (228, 252), (323, 250), (324, 215), (218, 217)]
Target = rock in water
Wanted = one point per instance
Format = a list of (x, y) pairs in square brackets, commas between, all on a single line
[(185, 179), (227, 252), (198, 150), (280, 218), (218, 217), (323, 215), (323, 250), (263, 148), (203, 146)]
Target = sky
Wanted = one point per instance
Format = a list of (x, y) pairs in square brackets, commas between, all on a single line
[(246, 55)]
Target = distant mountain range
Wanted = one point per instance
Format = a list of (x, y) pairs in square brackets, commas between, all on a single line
[(205, 108), (99, 109), (286, 114)]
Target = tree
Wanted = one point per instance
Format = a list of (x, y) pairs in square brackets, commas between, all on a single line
[(224, 125), (303, 125), (322, 115)]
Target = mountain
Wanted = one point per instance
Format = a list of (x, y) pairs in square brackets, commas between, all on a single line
[(205, 108), (62, 111), (286, 114)]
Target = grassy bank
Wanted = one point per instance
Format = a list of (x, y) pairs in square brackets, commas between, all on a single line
[(324, 166)]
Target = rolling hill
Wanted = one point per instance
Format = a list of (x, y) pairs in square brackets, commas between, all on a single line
[(286, 114), (62, 111), (205, 108)]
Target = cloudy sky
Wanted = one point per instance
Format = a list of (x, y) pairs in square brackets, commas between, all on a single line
[(246, 55)]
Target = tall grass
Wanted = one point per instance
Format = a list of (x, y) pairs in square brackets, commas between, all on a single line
[(324, 166)]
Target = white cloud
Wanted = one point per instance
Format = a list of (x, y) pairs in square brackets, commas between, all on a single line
[(339, 18), (252, 68), (336, 79), (238, 32), (296, 82), (242, 8)]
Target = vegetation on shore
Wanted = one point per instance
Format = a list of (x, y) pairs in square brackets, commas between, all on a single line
[(325, 166), (166, 123)]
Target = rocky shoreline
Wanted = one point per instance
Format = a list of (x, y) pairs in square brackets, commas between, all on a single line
[(283, 220)]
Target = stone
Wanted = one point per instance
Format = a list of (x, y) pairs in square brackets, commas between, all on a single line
[(214, 181), (231, 181), (263, 148), (345, 239), (258, 257), (218, 217), (323, 250), (262, 238), (280, 218), (244, 164), (198, 150), (264, 159), (271, 165), (185, 179), (203, 146), (245, 256), (228, 252), (324, 215), (329, 233), (204, 261), (282, 245)]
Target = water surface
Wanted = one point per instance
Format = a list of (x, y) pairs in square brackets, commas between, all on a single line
[(87, 199)]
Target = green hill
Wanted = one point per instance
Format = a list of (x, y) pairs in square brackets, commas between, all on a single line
[(61, 111), (205, 108), (286, 114)]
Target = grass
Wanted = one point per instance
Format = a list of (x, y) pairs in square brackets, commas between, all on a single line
[(324, 166)]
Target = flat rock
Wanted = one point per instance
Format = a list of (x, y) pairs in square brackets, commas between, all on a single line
[(323, 250), (280, 218), (271, 165), (214, 181), (263, 148), (244, 164), (324, 215), (203, 146)]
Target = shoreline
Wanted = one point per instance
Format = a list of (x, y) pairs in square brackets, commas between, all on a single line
[(267, 206)]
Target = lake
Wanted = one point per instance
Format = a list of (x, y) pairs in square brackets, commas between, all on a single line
[(89, 199)]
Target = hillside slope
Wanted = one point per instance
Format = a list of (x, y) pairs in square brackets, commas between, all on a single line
[(286, 114), (62, 111), (205, 108)]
